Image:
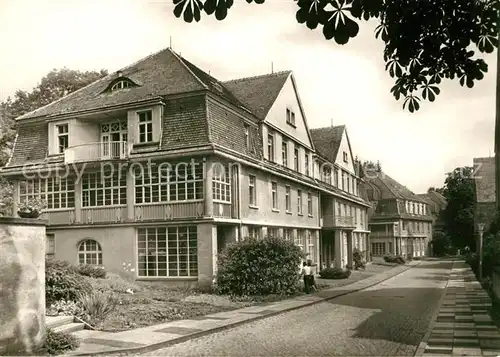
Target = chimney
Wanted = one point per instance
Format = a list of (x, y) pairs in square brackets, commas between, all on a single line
[(119, 73)]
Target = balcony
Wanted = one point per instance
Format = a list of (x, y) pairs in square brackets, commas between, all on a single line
[(111, 150), (339, 222)]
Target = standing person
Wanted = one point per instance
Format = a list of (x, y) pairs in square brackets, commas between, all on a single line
[(312, 283), (306, 273)]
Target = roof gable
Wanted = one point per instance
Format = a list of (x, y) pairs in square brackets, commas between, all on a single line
[(390, 188), (327, 141), (162, 73), (258, 93)]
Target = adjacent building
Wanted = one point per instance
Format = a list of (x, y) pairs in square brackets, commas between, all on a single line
[(437, 204), (156, 167), (485, 191), (400, 221)]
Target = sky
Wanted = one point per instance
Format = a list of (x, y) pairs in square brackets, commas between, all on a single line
[(337, 84)]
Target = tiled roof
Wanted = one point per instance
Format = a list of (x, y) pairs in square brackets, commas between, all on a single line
[(327, 141), (390, 188), (160, 74), (484, 179), (258, 93)]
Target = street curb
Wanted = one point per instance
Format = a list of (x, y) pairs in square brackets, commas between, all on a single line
[(163, 344), (423, 344)]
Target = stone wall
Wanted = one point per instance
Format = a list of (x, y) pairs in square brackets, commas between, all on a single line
[(22, 284), (485, 212)]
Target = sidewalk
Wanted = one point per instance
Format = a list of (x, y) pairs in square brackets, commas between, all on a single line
[(158, 336), (462, 326)]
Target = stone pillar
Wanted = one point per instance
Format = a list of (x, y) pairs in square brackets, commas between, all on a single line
[(338, 248), (207, 254), (78, 198), (209, 206), (22, 275), (368, 248), (350, 250)]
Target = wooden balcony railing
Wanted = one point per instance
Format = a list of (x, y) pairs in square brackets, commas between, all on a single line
[(111, 150)]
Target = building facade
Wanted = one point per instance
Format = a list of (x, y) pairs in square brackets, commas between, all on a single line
[(155, 168), (400, 221), (437, 204), (485, 209)]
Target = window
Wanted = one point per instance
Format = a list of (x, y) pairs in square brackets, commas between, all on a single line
[(274, 195), (299, 239), (273, 232), (56, 191), (378, 249), (336, 178), (347, 182), (311, 248), (247, 137), (107, 188), (121, 85), (355, 215), (284, 152), (327, 175), (354, 185), (254, 232), (169, 183), (296, 159), (299, 201), (270, 147), (90, 252), (343, 181), (145, 126), (290, 117), (339, 209), (288, 204), (221, 184), (306, 164), (309, 204), (345, 157), (288, 234), (390, 248), (252, 197), (62, 137), (413, 208), (50, 244), (167, 251)]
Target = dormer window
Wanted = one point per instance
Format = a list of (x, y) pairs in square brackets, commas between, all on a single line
[(122, 84)]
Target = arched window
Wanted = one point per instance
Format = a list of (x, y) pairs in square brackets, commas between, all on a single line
[(121, 85), (90, 252)]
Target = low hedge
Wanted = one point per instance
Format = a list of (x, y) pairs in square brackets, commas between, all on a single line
[(334, 273), (395, 259)]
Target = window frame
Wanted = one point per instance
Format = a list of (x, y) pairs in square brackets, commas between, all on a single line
[(345, 157), (296, 161), (299, 202), (121, 84), (284, 152), (246, 129), (270, 147), (84, 252), (190, 251), (288, 202), (309, 204), (252, 190), (221, 185), (95, 190), (62, 137), (274, 195), (306, 165), (45, 189), (290, 117), (145, 125)]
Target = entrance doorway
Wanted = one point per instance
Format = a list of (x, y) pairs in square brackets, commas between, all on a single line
[(114, 139)]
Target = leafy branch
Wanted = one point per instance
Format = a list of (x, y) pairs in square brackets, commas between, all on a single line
[(425, 40)]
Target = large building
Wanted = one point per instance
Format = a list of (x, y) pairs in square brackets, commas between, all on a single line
[(156, 167), (400, 221)]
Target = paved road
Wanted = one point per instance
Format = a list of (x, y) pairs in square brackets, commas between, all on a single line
[(388, 319)]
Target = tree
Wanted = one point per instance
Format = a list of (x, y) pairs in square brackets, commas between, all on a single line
[(459, 213), (56, 84), (425, 40)]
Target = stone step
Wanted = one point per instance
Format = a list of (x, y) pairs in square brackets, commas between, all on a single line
[(69, 328), (56, 321)]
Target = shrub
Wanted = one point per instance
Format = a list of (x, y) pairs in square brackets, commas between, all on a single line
[(92, 271), (395, 259), (334, 273), (358, 260), (97, 306), (56, 343), (65, 308), (259, 267), (62, 282)]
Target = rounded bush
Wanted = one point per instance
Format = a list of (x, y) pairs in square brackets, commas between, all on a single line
[(334, 273), (92, 271), (259, 267), (63, 282), (56, 343), (395, 259)]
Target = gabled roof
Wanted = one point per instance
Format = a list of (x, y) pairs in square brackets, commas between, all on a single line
[(327, 141), (258, 93), (160, 74), (390, 188)]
